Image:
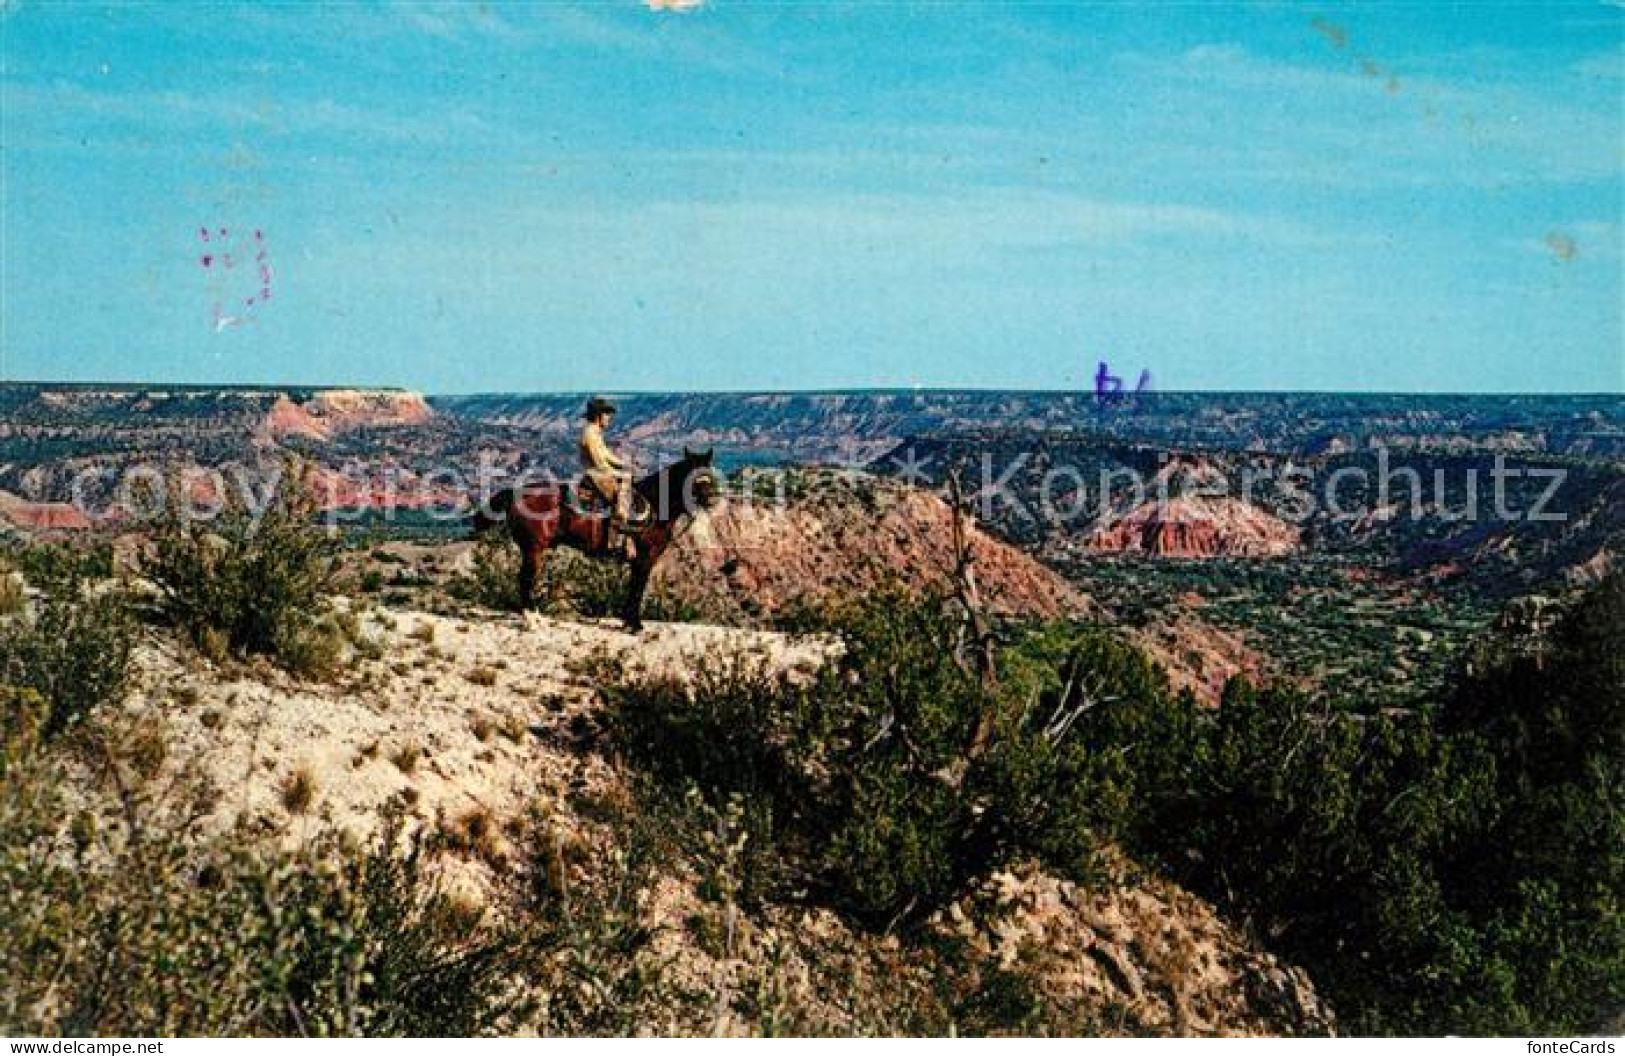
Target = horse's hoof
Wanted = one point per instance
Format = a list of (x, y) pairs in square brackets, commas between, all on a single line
[(634, 628), (530, 619)]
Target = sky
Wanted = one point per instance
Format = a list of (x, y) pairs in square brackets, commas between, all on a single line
[(749, 194)]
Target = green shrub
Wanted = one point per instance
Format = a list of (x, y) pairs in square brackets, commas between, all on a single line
[(73, 649), (590, 947), (47, 562), (257, 586), (861, 785), (1462, 872), (493, 577), (1459, 869), (1543, 874), (578, 585)]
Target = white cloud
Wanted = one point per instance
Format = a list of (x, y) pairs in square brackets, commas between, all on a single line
[(451, 21), (64, 108)]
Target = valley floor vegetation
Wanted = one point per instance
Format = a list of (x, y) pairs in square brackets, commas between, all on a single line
[(1458, 867)]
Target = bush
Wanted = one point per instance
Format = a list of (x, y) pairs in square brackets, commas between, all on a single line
[(1454, 873), (591, 948), (1451, 870), (1543, 874), (1323, 830), (578, 585), (493, 579), (73, 649), (861, 785), (252, 586), (45, 562)]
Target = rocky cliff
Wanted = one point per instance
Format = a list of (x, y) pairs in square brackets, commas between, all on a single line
[(1196, 526), (330, 412), (845, 534)]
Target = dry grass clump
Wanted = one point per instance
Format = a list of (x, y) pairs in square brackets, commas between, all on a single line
[(406, 757), (298, 791), (476, 834), (514, 727)]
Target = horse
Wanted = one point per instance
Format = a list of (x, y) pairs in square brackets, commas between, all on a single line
[(543, 515)]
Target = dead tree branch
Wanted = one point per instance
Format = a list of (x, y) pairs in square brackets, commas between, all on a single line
[(976, 633)]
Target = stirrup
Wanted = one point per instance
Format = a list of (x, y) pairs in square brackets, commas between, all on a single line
[(619, 542)]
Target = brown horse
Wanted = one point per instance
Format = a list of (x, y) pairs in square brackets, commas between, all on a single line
[(541, 516)]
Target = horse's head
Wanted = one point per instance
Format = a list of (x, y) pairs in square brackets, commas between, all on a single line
[(701, 477)]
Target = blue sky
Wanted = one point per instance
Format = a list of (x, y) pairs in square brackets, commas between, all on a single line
[(461, 197)]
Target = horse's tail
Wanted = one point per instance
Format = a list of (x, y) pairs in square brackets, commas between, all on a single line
[(490, 514)]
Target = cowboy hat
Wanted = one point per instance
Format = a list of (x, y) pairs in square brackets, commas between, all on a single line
[(596, 406)]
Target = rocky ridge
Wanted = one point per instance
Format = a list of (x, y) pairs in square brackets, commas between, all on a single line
[(478, 728)]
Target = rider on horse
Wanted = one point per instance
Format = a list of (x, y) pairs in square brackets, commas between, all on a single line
[(607, 472)]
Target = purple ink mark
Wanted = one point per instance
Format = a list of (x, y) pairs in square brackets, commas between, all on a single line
[(223, 259), (1109, 387)]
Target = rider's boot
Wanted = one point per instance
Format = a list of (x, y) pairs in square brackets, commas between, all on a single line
[(621, 518)]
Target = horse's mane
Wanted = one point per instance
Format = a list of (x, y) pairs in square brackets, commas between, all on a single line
[(649, 486), (661, 482)]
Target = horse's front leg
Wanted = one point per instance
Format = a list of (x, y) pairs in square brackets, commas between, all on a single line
[(632, 612), (531, 561)]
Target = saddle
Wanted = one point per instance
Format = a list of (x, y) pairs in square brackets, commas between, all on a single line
[(585, 499)]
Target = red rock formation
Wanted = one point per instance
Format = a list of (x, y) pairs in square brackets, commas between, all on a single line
[(46, 516), (1196, 526), (334, 411), (1199, 656), (287, 418), (846, 538)]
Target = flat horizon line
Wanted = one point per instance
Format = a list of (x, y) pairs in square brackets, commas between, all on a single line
[(860, 390)]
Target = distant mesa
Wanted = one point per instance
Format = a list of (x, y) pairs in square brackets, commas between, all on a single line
[(331, 412)]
